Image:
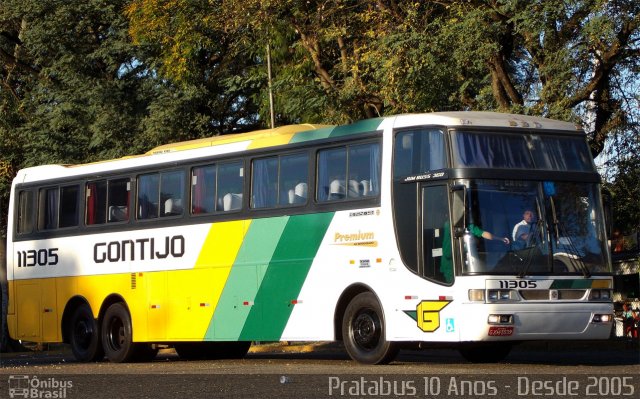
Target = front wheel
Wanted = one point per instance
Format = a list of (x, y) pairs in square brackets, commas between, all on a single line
[(363, 331), (117, 335)]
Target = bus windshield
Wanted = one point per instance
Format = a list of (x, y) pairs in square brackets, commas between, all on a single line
[(529, 227), (521, 151)]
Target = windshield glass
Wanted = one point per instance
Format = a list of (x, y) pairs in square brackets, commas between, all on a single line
[(521, 151), (527, 227)]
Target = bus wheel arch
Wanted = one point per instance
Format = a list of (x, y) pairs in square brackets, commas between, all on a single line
[(347, 296), (81, 330), (364, 331)]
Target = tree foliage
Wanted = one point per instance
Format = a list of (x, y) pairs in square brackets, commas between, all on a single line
[(94, 79)]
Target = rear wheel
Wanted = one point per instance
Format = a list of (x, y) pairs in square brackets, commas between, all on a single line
[(84, 335), (485, 352), (117, 335), (363, 331)]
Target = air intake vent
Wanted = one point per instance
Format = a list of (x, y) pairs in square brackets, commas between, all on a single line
[(133, 281)]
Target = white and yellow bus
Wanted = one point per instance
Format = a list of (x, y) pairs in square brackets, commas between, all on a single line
[(386, 233)]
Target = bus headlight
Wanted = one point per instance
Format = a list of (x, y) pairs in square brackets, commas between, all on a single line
[(600, 295), (602, 318), (501, 295)]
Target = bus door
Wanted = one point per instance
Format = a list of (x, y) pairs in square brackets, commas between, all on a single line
[(435, 232)]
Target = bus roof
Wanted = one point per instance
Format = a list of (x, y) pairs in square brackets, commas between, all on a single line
[(264, 134), (224, 144), (485, 119)]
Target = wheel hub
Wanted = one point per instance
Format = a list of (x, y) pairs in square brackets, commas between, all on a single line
[(366, 330)]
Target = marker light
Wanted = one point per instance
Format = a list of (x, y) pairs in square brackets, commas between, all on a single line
[(602, 318), (600, 295), (476, 295)]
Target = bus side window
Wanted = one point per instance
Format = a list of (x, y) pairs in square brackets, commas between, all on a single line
[(364, 170), (171, 193), (203, 189), (294, 179), (264, 185), (332, 174), (148, 196), (48, 209), (96, 202), (280, 181), (118, 200), (418, 152), (230, 186), (349, 172), (25, 213), (69, 206)]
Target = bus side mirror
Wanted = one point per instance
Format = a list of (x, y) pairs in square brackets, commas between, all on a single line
[(459, 195)]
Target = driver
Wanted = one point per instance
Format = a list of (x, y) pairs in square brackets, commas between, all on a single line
[(523, 230)]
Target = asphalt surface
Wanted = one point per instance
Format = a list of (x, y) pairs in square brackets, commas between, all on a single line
[(553, 370)]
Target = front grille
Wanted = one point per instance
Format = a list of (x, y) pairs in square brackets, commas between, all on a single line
[(542, 295)]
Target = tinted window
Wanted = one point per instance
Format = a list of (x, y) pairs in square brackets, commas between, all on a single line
[(25, 212), (418, 151), (48, 209), (280, 181), (230, 186), (348, 172), (161, 194), (69, 205), (216, 188)]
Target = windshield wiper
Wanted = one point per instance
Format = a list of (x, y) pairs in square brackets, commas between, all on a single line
[(534, 235), (529, 248), (574, 257)]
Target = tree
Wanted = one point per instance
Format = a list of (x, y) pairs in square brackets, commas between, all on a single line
[(71, 86), (625, 191), (342, 60)]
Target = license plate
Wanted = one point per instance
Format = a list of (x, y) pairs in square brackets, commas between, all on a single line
[(500, 331)]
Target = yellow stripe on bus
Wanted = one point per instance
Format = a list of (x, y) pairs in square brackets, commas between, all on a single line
[(194, 294)]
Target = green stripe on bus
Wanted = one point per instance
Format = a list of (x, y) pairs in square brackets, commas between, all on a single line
[(309, 135), (571, 284), (285, 275), (368, 125), (247, 272)]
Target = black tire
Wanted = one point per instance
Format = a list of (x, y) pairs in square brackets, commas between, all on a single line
[(117, 335), (363, 331), (212, 350), (84, 335), (488, 352)]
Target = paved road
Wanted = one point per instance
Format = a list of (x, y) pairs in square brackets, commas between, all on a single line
[(324, 372)]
